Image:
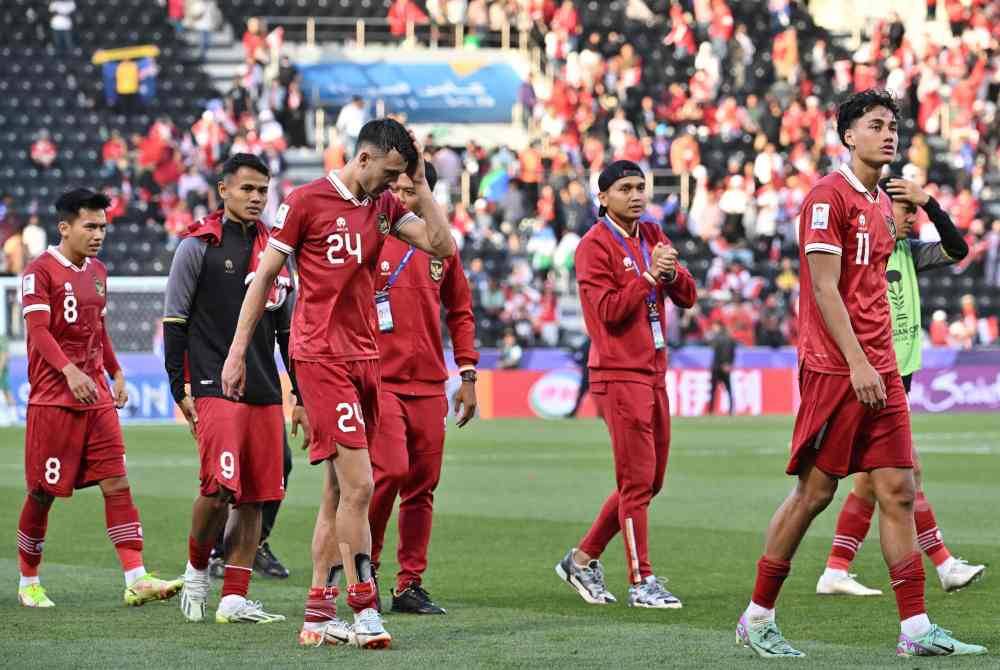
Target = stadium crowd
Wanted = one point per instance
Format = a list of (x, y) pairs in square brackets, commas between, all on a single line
[(742, 109)]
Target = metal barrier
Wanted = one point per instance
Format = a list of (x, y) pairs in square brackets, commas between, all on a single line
[(362, 32)]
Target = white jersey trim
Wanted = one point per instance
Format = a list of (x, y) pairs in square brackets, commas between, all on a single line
[(405, 219), (65, 261), (824, 248), (280, 246), (37, 308), (852, 179)]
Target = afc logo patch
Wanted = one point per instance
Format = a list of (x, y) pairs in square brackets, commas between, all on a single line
[(820, 216), (437, 269), (279, 217), (99, 286), (383, 224), (28, 285)]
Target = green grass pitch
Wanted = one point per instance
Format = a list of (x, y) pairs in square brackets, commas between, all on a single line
[(514, 496)]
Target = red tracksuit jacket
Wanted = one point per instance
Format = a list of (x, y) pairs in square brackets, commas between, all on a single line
[(613, 296), (412, 355)]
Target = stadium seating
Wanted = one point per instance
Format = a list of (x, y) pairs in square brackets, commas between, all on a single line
[(64, 95)]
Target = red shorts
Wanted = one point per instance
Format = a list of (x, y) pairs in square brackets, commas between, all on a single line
[(66, 449), (342, 401), (847, 436), (242, 449)]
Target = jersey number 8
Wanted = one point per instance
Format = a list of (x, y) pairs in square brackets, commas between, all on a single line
[(70, 312)]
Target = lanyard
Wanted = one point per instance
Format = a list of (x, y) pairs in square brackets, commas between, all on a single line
[(402, 264), (651, 296)]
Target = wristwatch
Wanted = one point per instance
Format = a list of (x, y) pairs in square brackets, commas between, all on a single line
[(469, 376)]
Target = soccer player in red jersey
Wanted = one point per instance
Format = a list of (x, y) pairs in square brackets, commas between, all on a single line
[(74, 438), (336, 226), (240, 443), (854, 415), (409, 446), (627, 269)]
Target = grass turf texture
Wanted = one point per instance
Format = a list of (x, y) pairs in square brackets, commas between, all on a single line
[(514, 496)]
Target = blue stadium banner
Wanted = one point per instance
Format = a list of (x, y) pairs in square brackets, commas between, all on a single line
[(467, 89)]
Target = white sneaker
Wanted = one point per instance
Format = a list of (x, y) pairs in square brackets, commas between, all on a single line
[(332, 632), (843, 585), (236, 609), (651, 593), (194, 594), (369, 632), (958, 574)]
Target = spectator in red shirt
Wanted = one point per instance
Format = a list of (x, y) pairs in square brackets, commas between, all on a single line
[(567, 21), (175, 15), (44, 151), (402, 13), (113, 151), (253, 39), (178, 220)]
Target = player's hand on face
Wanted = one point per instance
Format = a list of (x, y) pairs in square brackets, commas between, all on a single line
[(120, 390), (868, 385), (234, 373), (300, 418), (464, 403), (81, 385), (190, 414), (907, 191)]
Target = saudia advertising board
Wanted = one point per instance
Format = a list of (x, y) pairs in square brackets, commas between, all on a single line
[(467, 89)]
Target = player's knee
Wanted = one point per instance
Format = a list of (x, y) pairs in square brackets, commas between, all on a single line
[(898, 494), (114, 485), (41, 497), (815, 499), (357, 495)]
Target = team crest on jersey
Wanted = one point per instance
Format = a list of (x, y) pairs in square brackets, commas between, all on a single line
[(383, 224), (892, 226), (99, 286), (437, 269)]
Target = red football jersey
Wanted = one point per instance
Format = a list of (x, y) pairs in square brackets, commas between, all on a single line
[(839, 216), (76, 300), (337, 240)]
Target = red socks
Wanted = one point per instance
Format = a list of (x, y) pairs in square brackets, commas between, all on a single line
[(31, 535), (361, 596), (907, 579), (236, 581), (198, 554), (771, 575), (124, 528), (321, 604), (852, 526), (928, 535)]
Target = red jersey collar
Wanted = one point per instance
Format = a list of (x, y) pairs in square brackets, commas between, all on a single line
[(65, 261), (847, 173), (624, 233), (345, 192)]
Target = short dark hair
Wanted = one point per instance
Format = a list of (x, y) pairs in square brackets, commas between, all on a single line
[(387, 135), (860, 104), (431, 174), (237, 161), (70, 203)]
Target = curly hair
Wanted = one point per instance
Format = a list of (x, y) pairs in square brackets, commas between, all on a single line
[(860, 104)]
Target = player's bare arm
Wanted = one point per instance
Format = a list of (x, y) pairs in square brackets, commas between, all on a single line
[(430, 232), (867, 383), (234, 370)]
